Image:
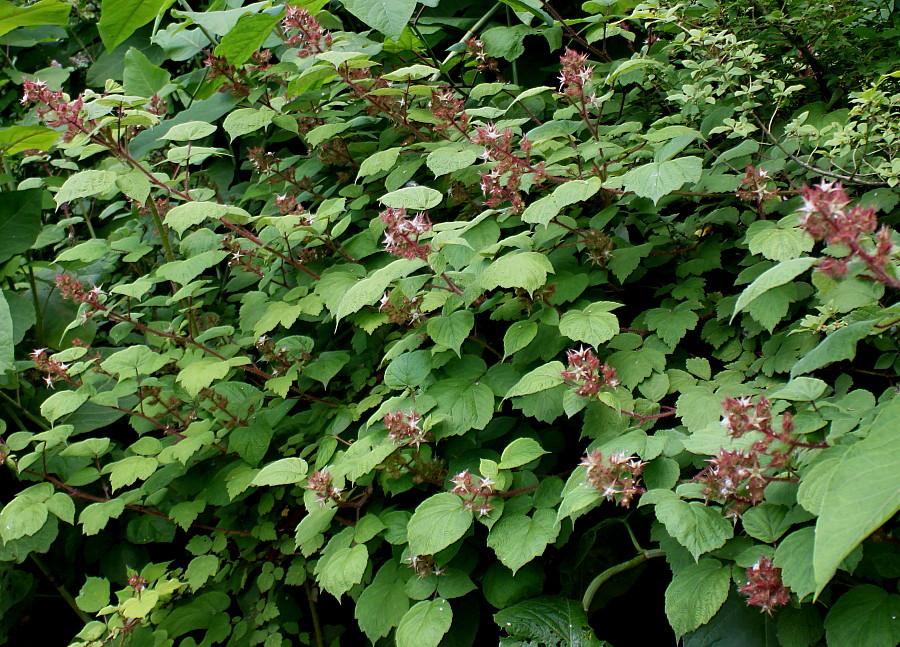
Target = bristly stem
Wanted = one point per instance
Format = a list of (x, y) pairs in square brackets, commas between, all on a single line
[(612, 571)]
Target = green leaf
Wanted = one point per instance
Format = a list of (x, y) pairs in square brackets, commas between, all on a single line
[(593, 325), (408, 371), (527, 270), (846, 518), (185, 271), (766, 522), (657, 179), (517, 539), (187, 215), (794, 557), (186, 512), (547, 621), (865, 615), (133, 362), (22, 517), (383, 603), (339, 570), (801, 389), (326, 366), (247, 36), (189, 131), (203, 372), (544, 210), (370, 289), (45, 12), (129, 470), (672, 324), (425, 624), (773, 277), (467, 405), (62, 403), (94, 595), (837, 346), (141, 77), (577, 494), (438, 522), (283, 472), (697, 527), (799, 627), (200, 570), (413, 198), (778, 241), (119, 19), (519, 452), (379, 162), (695, 595), (20, 222), (518, 336), (449, 158), (62, 506), (387, 16), (451, 330), (247, 120), (95, 516), (540, 379), (85, 184), (16, 139), (7, 345)]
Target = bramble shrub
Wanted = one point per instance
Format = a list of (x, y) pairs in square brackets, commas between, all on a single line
[(417, 323)]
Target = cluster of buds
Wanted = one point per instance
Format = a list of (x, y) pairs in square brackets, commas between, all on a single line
[(756, 186), (54, 369), (280, 357), (598, 246), (71, 289), (764, 588), (56, 109), (320, 483), (401, 238), (575, 74), (424, 565), (587, 373), (157, 106), (236, 79), (615, 477), (449, 109), (483, 63), (502, 183), (404, 313), (403, 428), (311, 37), (136, 582), (738, 478), (476, 492), (826, 215)]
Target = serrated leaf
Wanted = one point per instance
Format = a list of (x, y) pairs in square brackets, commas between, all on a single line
[(203, 372), (657, 179), (518, 336), (778, 241), (387, 16), (845, 517), (282, 472), (379, 162), (517, 539), (413, 198), (519, 452), (425, 624), (62, 403), (697, 527), (189, 131), (540, 379), (119, 19), (245, 38), (593, 325), (547, 620), (772, 278), (94, 595), (85, 184), (449, 158), (437, 522), (247, 120), (837, 346), (451, 330), (544, 210), (339, 570), (45, 12), (527, 270), (141, 77), (16, 139), (864, 615), (95, 516), (383, 603), (695, 595)]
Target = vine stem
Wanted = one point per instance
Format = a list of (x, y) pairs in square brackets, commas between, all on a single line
[(63, 592), (612, 571), (317, 628), (474, 30)]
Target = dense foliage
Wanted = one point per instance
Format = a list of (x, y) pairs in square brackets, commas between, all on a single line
[(440, 322)]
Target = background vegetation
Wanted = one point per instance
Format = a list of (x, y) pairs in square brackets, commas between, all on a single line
[(449, 322)]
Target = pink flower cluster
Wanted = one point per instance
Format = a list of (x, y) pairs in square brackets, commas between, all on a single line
[(502, 183), (756, 185), (54, 369), (401, 238), (476, 495), (55, 109), (403, 428), (405, 312), (450, 109), (575, 74), (320, 483), (311, 36), (586, 372), (615, 477), (764, 587), (826, 215)]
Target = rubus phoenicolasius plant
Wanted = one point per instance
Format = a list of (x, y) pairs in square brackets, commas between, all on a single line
[(420, 323)]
